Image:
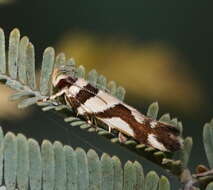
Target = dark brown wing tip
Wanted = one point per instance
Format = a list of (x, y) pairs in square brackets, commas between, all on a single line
[(169, 136), (175, 146)]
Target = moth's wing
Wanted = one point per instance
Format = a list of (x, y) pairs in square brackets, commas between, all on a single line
[(118, 124)]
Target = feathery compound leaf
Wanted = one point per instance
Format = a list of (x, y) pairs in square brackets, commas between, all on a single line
[(71, 168), (151, 181), (13, 53), (74, 169), (35, 173), (107, 172), (94, 166), (22, 59), (46, 70), (30, 66), (129, 176), (208, 142), (1, 154), (83, 173), (48, 165), (10, 160), (23, 162), (60, 166), (153, 110), (118, 173), (164, 183), (2, 52)]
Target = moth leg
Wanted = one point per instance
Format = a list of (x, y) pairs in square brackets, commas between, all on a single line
[(122, 138), (54, 96), (94, 122), (109, 129)]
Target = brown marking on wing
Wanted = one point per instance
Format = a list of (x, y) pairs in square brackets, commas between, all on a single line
[(86, 93), (66, 82), (83, 95), (166, 134), (119, 110)]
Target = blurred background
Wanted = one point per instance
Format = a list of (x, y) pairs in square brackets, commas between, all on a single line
[(158, 51)]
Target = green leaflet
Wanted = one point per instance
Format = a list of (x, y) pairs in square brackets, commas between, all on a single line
[(27, 102), (130, 177), (60, 166), (94, 167), (165, 118), (92, 77), (102, 82), (120, 93), (118, 173), (208, 142), (139, 176), (1, 154), (164, 183), (112, 87), (48, 165), (80, 71), (35, 169), (13, 53), (46, 70), (83, 172), (22, 59), (60, 59), (107, 172), (23, 162), (71, 168), (153, 110), (186, 151), (19, 95), (10, 160), (209, 186), (30, 66), (2, 52), (151, 181)]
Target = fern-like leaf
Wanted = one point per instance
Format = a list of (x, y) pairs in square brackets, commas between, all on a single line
[(54, 166), (21, 77)]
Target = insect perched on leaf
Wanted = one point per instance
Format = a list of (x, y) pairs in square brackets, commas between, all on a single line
[(97, 105)]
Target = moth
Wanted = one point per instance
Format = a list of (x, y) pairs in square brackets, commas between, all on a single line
[(98, 105)]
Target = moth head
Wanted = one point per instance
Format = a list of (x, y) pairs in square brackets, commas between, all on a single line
[(62, 71)]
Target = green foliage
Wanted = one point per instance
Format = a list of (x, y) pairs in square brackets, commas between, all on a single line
[(24, 158), (54, 166), (24, 65)]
